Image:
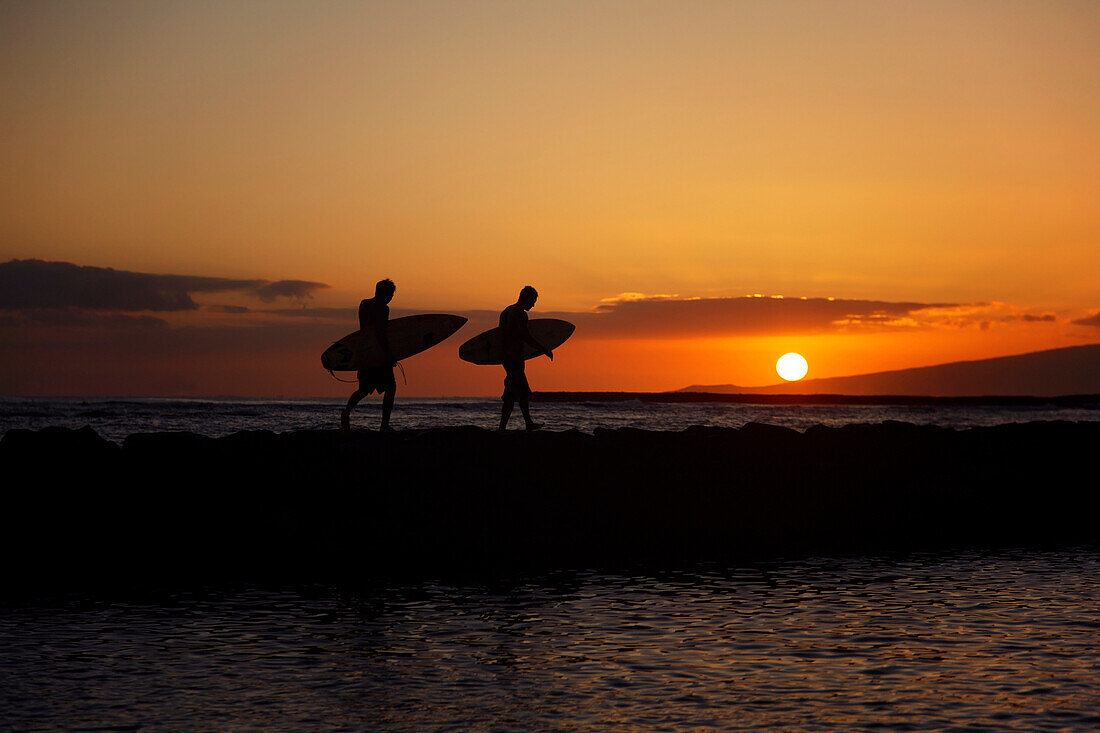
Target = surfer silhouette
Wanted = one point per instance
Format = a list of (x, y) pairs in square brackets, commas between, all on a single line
[(515, 334), (375, 312)]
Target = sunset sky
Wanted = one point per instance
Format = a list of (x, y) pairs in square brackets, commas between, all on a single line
[(700, 187)]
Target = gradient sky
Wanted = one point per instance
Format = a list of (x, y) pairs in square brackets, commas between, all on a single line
[(933, 167)]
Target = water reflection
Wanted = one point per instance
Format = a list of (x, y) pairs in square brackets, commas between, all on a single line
[(980, 641), (116, 419)]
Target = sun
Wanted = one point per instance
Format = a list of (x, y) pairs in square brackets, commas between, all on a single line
[(791, 367)]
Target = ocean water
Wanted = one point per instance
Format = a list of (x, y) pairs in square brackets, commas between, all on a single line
[(971, 641), (975, 639), (114, 419)]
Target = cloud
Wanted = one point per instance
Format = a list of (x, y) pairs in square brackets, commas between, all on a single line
[(633, 315), (351, 315), (335, 314), (234, 309), (295, 289), (1093, 320), (28, 284), (631, 297), (75, 318), (984, 315), (39, 284)]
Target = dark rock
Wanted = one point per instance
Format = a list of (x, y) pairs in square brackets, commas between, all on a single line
[(321, 502)]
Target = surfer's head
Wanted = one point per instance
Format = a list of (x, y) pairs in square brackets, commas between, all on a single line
[(527, 297), (385, 289)]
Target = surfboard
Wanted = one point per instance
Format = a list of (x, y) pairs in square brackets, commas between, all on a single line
[(488, 347), (408, 336)]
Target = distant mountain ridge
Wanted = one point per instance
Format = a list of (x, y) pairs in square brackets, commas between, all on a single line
[(1066, 371)]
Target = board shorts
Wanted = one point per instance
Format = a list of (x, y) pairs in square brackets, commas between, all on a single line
[(515, 381), (377, 379)]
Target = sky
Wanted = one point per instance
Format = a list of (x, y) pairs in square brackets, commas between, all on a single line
[(196, 195)]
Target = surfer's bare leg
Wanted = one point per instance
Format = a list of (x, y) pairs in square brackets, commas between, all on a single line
[(523, 396), (525, 408), (387, 407), (509, 396), (524, 389), (345, 416), (388, 390), (517, 388)]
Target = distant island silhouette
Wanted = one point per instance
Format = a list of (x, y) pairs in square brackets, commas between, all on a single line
[(1073, 370)]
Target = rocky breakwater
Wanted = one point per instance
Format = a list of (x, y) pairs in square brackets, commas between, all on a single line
[(365, 504)]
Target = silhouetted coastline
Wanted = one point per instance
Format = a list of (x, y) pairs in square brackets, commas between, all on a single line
[(318, 503)]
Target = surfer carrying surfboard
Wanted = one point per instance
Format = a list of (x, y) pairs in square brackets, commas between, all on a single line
[(515, 335), (376, 312)]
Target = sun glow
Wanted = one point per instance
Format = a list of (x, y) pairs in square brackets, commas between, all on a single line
[(791, 367)]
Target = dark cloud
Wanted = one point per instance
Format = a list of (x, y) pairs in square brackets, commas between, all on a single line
[(296, 289), (664, 317), (236, 309), (53, 318), (336, 314), (1093, 320), (37, 284), (351, 315), (72, 318), (1045, 318)]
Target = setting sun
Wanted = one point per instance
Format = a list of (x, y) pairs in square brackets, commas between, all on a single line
[(791, 367)]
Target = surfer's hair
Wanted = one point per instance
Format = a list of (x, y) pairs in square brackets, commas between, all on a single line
[(385, 286), (528, 292)]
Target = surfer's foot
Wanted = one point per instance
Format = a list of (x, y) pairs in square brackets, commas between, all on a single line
[(345, 420), (533, 426)]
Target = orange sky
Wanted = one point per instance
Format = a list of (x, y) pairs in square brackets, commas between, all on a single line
[(926, 153)]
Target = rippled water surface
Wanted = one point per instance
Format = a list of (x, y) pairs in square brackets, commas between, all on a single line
[(114, 419), (969, 641)]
